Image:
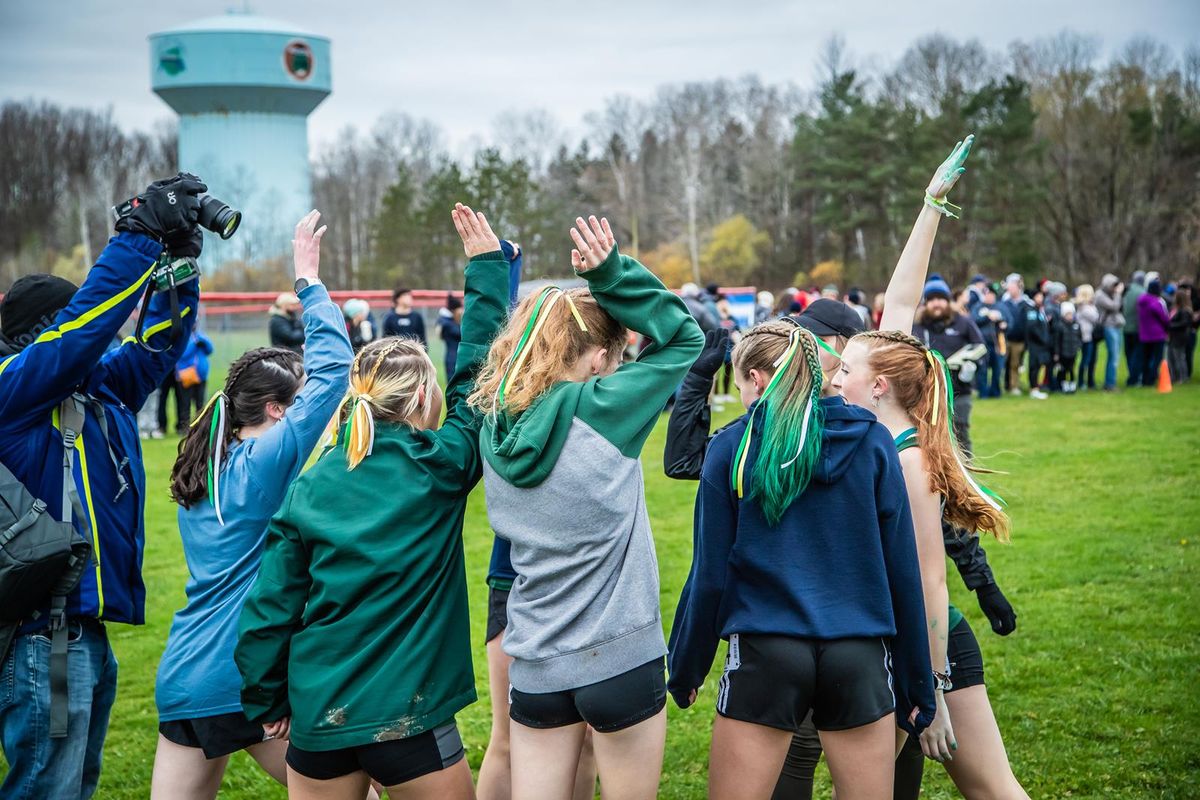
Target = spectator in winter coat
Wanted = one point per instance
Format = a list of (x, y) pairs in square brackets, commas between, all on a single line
[(943, 329), (1181, 327), (697, 308), (402, 320), (1088, 317), (286, 328), (1134, 352), (191, 379), (1153, 330), (991, 318), (449, 324), (359, 325), (1112, 321), (1068, 340), (1017, 305), (1040, 347)]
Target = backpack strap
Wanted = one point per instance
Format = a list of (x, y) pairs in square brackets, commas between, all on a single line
[(70, 422), (906, 440)]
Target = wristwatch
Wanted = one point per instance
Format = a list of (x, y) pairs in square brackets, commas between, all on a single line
[(303, 283)]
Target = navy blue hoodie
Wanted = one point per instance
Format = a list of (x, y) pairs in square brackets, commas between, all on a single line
[(842, 562)]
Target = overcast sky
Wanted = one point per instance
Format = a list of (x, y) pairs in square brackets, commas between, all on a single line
[(460, 64)]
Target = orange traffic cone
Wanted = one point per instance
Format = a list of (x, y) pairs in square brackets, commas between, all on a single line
[(1164, 377)]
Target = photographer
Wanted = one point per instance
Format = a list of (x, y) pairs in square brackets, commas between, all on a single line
[(54, 340)]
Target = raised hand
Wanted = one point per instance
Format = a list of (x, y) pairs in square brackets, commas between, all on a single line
[(474, 230), (594, 240), (306, 246), (947, 174)]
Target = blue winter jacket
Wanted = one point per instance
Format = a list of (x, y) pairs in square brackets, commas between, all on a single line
[(841, 563), (109, 476), (195, 354)]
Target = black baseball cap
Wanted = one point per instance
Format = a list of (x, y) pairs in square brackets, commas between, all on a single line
[(826, 317)]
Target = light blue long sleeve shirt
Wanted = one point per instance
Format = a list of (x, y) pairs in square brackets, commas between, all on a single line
[(197, 676)]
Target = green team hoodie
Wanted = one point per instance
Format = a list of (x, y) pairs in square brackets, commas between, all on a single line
[(357, 625), (564, 486)]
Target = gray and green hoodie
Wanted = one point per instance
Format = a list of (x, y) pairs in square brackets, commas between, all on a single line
[(564, 486)]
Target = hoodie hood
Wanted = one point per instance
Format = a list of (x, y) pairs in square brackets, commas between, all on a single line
[(524, 449), (846, 426), (1109, 282)]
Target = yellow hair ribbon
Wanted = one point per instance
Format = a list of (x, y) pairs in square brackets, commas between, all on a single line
[(206, 408), (575, 311), (934, 387)]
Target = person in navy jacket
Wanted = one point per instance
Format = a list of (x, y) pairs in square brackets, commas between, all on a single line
[(54, 346)]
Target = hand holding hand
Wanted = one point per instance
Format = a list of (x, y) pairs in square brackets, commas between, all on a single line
[(947, 174), (279, 729), (306, 246), (594, 240), (938, 739), (474, 230)]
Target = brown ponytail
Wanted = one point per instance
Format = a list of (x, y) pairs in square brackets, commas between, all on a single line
[(917, 382)]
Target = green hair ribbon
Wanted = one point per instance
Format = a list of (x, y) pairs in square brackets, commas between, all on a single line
[(546, 301), (943, 370)]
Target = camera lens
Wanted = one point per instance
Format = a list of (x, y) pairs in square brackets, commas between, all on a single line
[(218, 217)]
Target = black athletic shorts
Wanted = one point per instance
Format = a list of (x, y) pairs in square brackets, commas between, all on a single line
[(776, 680), (391, 763), (608, 706), (966, 660), (497, 616), (216, 736)]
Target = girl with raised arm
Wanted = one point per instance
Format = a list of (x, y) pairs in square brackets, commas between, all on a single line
[(234, 466), (564, 427), (908, 387), (355, 639)]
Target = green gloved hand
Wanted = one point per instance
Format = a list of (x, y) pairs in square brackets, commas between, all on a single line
[(947, 174)]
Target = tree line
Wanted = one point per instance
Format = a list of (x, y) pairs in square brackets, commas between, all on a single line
[(1082, 166)]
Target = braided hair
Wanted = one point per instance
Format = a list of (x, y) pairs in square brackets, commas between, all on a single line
[(789, 409), (260, 376), (919, 382), (386, 382)]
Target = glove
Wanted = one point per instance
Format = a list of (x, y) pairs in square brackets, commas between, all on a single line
[(716, 344), (167, 210), (997, 609), (188, 245)]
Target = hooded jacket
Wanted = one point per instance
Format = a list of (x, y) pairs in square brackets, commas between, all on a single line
[(73, 356), (842, 562), (564, 485), (1108, 302), (1154, 321), (357, 624)]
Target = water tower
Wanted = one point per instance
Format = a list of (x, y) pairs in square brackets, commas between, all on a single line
[(243, 87)]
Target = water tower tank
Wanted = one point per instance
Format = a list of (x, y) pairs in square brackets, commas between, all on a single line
[(243, 87)]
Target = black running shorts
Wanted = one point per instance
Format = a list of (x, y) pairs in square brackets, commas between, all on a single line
[(497, 616), (608, 706), (217, 736), (966, 660), (776, 680), (391, 763)]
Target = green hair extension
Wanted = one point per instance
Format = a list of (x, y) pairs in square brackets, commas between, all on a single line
[(791, 439)]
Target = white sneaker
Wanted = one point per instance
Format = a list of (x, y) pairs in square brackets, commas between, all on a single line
[(1038, 394), (1016, 392), (156, 434)]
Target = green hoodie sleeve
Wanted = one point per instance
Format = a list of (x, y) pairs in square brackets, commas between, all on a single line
[(483, 315), (272, 613), (623, 407)]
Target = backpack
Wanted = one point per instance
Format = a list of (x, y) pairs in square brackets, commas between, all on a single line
[(39, 553)]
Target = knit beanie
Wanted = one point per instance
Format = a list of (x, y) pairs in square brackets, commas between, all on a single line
[(936, 286), (31, 305)]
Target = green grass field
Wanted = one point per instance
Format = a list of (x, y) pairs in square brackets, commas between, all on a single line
[(1096, 692)]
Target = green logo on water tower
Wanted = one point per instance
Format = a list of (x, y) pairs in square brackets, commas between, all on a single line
[(170, 60), (298, 59)]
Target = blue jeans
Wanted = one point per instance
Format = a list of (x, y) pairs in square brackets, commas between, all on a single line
[(1112, 346), (1152, 356), (1087, 364), (41, 767)]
